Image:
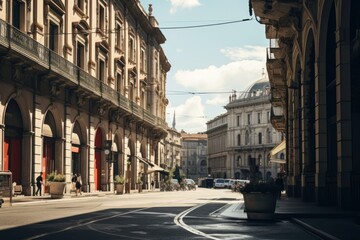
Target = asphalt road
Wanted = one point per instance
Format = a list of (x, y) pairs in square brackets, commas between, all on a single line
[(152, 215)]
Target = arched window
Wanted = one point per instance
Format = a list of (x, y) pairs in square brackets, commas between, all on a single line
[(260, 138), (268, 136), (247, 138)]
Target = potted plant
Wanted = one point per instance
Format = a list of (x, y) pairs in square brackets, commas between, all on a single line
[(119, 184), (260, 199), (56, 181)]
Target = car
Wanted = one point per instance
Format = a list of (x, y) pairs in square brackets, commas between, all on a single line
[(219, 183), (226, 183), (190, 184), (238, 184)]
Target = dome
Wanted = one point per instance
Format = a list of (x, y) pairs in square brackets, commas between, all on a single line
[(257, 88)]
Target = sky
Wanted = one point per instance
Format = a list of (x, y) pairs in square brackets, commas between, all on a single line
[(209, 56)]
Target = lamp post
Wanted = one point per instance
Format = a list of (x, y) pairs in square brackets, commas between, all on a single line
[(108, 154), (128, 174)]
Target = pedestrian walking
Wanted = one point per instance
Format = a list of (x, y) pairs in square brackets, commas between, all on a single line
[(39, 183), (73, 182), (152, 185), (78, 184)]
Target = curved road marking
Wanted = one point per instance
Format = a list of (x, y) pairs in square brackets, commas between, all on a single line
[(82, 224), (179, 221)]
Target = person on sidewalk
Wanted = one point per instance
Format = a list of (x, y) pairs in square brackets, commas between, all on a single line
[(280, 183), (78, 184), (73, 183), (39, 182), (152, 185)]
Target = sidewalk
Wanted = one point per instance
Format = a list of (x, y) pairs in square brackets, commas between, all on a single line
[(21, 199), (326, 222)]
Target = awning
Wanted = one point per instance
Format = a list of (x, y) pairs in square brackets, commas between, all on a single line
[(47, 131), (155, 168), (274, 158), (147, 162), (277, 160), (280, 147)]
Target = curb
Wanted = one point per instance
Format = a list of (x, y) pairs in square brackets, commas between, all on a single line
[(314, 230)]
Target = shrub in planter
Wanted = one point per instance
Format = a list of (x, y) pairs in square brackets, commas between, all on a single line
[(262, 187), (56, 181), (119, 184), (260, 200)]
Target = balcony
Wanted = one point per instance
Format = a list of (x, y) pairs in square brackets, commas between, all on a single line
[(275, 9), (20, 47), (277, 118)]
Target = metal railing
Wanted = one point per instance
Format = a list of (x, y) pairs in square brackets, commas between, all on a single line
[(23, 45)]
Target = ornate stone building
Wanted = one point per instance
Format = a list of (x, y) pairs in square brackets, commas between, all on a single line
[(243, 137), (193, 155), (78, 78), (313, 66)]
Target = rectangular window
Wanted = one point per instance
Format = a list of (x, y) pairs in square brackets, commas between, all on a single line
[(101, 71), (53, 37), (131, 49), (80, 56), (118, 36), (143, 60), (102, 18), (119, 82), (249, 119), (268, 117), (259, 118), (238, 121)]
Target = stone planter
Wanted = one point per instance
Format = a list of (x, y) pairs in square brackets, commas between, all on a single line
[(119, 188), (57, 189), (260, 206)]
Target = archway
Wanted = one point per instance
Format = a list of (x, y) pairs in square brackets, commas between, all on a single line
[(331, 182), (13, 140), (308, 119), (49, 137)]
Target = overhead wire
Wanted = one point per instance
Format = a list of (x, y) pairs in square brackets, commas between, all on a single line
[(95, 30)]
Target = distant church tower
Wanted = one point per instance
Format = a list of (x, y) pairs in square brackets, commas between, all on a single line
[(173, 123)]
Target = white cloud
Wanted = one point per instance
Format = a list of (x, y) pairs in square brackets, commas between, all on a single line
[(189, 116), (233, 76), (245, 53), (247, 66), (183, 4)]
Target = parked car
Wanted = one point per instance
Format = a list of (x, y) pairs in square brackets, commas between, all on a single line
[(239, 184), (226, 183), (219, 183), (190, 184)]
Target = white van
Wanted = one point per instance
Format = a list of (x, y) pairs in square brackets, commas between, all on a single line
[(219, 183)]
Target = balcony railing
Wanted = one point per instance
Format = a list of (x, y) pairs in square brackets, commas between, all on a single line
[(28, 47), (63, 67), (24, 46)]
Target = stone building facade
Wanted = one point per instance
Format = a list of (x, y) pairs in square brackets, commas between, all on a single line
[(313, 67), (243, 137), (77, 78), (194, 155)]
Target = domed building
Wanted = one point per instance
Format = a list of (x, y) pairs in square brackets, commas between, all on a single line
[(243, 139)]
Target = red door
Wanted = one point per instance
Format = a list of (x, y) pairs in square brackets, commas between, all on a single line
[(6, 153), (12, 158), (97, 169), (47, 163)]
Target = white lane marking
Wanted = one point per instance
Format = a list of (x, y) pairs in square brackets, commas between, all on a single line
[(83, 224), (179, 221)]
